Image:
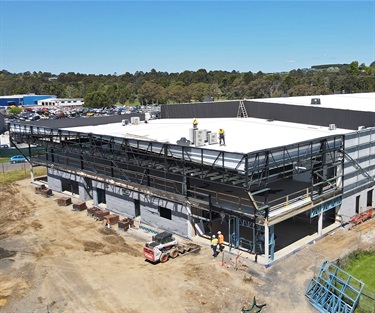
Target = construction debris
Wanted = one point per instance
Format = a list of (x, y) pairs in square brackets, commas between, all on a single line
[(360, 218), (254, 307), (64, 201), (110, 220), (38, 189), (80, 206), (91, 211), (125, 223), (46, 192), (99, 215)]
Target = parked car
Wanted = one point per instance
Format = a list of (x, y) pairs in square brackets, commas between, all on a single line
[(4, 146), (17, 159)]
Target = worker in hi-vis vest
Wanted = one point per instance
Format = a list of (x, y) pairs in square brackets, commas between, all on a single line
[(220, 238), (195, 123), (221, 137), (214, 242)]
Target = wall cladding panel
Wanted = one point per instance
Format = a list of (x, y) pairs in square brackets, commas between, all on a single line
[(314, 115)]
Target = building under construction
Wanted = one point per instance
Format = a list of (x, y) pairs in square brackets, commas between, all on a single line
[(291, 168)]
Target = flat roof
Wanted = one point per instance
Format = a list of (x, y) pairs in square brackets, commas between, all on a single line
[(353, 101), (242, 135), (22, 96)]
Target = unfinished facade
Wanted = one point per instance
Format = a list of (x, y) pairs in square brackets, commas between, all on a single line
[(264, 195)]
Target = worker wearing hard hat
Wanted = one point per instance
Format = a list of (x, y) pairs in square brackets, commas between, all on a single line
[(221, 137), (220, 238), (195, 123), (214, 243)]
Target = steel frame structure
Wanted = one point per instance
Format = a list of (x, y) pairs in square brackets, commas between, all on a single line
[(177, 172), (334, 290)]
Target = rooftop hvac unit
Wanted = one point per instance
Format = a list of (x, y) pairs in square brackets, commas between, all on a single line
[(191, 135), (200, 142), (135, 120), (315, 101), (125, 122), (212, 138), (332, 126), (200, 137), (361, 127)]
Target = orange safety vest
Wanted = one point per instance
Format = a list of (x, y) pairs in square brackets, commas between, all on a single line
[(221, 239)]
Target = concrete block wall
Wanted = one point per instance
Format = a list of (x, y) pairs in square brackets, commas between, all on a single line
[(177, 224), (121, 201), (85, 191), (348, 206), (54, 180)]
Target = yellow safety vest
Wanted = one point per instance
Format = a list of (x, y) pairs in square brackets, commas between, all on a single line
[(214, 242)]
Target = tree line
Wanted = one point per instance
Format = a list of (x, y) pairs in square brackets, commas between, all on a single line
[(191, 86)]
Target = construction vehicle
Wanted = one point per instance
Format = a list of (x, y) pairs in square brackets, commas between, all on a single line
[(162, 247)]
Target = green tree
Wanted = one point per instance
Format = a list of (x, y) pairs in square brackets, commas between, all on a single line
[(97, 99), (150, 92), (197, 91), (15, 110), (354, 68)]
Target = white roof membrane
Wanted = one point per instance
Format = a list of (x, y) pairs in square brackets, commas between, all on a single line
[(242, 135)]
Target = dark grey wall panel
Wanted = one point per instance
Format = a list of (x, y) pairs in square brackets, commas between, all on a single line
[(2, 123), (314, 114), (82, 121), (200, 109)]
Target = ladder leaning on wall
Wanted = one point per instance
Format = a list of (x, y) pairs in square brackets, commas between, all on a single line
[(242, 110)]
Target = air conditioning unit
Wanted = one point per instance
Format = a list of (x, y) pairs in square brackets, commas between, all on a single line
[(125, 122), (315, 101), (200, 142), (200, 137), (191, 134), (135, 120), (212, 138), (332, 126), (361, 127)]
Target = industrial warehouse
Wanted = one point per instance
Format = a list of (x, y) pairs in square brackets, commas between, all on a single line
[(291, 169)]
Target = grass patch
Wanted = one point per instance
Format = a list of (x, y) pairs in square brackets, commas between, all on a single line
[(13, 176), (4, 160), (360, 264)]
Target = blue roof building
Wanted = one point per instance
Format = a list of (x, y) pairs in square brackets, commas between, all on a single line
[(23, 100)]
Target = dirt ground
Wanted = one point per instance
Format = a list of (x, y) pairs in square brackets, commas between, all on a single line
[(53, 259)]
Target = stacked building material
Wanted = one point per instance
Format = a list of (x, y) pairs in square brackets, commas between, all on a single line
[(46, 192), (79, 206), (110, 220), (125, 223), (38, 189), (64, 201), (99, 215), (91, 211)]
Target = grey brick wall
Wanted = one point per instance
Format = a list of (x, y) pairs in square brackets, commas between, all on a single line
[(121, 201)]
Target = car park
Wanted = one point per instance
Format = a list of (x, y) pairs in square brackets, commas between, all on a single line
[(18, 159)]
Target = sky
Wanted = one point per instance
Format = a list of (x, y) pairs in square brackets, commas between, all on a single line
[(108, 37)]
